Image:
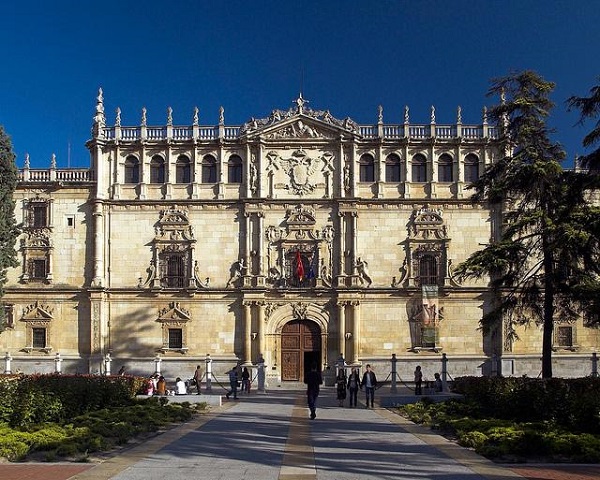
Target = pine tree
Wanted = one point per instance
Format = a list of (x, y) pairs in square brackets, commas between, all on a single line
[(546, 251), (8, 226), (590, 109)]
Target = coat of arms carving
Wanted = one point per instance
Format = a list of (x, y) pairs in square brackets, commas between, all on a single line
[(300, 167)]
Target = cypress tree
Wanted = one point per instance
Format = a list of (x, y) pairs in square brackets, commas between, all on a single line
[(8, 225)]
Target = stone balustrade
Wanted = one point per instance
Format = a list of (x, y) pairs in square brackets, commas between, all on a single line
[(388, 132), (68, 175)]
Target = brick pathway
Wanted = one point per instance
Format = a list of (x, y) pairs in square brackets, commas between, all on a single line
[(41, 471), (558, 472)]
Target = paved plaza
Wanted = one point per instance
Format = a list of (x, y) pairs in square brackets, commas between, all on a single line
[(269, 436)]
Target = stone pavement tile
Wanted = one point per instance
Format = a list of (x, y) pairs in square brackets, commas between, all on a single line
[(270, 437)]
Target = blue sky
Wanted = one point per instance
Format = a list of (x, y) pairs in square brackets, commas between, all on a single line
[(251, 57)]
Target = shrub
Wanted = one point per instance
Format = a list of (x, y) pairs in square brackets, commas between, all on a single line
[(573, 404)]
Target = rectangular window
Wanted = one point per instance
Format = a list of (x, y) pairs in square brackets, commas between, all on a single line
[(39, 215), (419, 172), (564, 336), (39, 337), (471, 173), (392, 172), (132, 174), (445, 172), (38, 268), (157, 174), (175, 338), (209, 173), (235, 173), (175, 272), (183, 174), (367, 172), (428, 270)]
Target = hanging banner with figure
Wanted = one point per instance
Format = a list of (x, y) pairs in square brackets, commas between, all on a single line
[(429, 316)]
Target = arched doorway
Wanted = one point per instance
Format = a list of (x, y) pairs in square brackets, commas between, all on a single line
[(300, 347)]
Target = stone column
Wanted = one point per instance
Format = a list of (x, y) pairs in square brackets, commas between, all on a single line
[(260, 216), (356, 331), (247, 354), (57, 363), (260, 329), (7, 366), (342, 327), (98, 261), (342, 251), (208, 372)]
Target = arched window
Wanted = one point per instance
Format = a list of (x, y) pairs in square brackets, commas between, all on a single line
[(183, 171), (392, 168), (419, 168), (209, 169), (132, 170), (234, 169), (428, 270), (367, 168), (471, 168), (157, 169), (445, 170)]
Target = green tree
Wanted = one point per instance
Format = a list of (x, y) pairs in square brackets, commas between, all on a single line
[(8, 225), (535, 260), (588, 290), (590, 109)]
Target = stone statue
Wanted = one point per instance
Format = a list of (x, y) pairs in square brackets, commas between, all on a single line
[(362, 268), (238, 270)]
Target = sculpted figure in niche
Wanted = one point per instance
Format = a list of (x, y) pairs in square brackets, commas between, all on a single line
[(238, 270), (362, 269), (151, 276)]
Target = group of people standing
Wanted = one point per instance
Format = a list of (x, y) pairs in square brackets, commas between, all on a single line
[(349, 386), (234, 379), (437, 382), (344, 385), (353, 383)]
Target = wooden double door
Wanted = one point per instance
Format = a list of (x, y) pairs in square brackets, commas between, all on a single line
[(300, 348)]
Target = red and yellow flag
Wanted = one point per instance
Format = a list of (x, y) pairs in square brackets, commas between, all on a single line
[(299, 266)]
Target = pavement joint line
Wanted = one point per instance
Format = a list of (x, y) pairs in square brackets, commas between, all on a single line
[(298, 461), (481, 465), (122, 460)]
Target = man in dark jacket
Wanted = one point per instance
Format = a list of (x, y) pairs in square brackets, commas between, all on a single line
[(369, 382), (313, 382)]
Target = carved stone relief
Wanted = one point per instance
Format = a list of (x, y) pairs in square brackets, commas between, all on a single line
[(298, 242)]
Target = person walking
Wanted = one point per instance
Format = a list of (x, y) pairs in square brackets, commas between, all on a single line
[(418, 380), (245, 381), (341, 383), (233, 382), (369, 382), (313, 381), (197, 378), (353, 385)]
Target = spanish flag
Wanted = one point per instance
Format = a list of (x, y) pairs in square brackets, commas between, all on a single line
[(299, 266)]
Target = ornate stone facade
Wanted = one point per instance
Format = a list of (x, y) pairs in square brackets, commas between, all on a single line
[(299, 237)]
